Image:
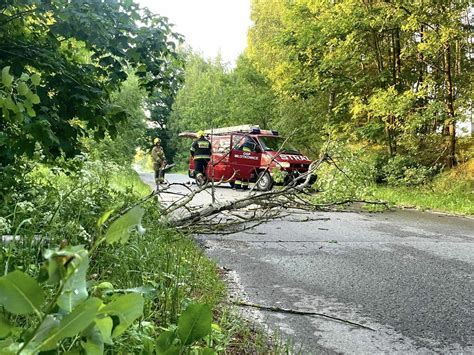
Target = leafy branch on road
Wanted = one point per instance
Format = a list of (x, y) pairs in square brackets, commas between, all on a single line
[(247, 212)]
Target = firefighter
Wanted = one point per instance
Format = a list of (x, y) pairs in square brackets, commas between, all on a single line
[(201, 152), (159, 162)]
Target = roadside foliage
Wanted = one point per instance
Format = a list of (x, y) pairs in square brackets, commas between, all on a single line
[(76, 78), (67, 311), (396, 74), (76, 59)]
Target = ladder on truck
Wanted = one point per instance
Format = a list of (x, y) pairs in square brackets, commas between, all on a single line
[(246, 128)]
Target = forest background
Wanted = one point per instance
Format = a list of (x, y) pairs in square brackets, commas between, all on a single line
[(386, 83)]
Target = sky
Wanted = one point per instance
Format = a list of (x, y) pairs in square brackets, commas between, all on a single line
[(209, 26)]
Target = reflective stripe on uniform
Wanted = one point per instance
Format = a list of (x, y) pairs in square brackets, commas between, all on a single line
[(238, 182), (203, 144), (202, 157), (245, 183)]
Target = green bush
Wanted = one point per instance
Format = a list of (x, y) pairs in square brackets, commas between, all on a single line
[(53, 209), (347, 176), (404, 171)]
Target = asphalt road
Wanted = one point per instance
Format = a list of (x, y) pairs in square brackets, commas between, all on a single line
[(408, 275)]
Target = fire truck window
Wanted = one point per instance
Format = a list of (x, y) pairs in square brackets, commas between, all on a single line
[(221, 145), (237, 141), (272, 143), (245, 144)]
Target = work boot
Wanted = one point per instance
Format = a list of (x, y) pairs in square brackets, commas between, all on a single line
[(200, 180)]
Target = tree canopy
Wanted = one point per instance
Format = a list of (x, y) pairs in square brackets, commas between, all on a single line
[(397, 73), (63, 60)]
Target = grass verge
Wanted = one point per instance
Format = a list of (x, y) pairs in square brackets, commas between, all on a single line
[(176, 269), (50, 208), (451, 192), (458, 202)]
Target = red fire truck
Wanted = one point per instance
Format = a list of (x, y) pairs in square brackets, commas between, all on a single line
[(250, 154)]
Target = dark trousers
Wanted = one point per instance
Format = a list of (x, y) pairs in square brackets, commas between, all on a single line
[(200, 166), (159, 175)]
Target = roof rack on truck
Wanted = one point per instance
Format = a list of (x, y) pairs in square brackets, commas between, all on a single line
[(247, 128), (250, 129)]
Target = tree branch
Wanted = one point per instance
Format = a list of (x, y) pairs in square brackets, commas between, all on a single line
[(303, 313)]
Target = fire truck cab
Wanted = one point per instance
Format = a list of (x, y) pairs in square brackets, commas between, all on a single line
[(244, 154)]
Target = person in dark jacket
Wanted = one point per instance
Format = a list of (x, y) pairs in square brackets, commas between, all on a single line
[(201, 152)]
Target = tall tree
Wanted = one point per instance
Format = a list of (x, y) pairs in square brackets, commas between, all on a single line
[(251, 98), (215, 96), (349, 56), (82, 50)]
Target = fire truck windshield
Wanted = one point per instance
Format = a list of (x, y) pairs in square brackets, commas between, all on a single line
[(272, 143)]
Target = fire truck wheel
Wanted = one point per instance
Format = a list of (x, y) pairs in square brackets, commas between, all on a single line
[(200, 180), (265, 181)]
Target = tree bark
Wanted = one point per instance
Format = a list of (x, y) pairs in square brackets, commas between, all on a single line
[(391, 146), (378, 56), (451, 121), (397, 61)]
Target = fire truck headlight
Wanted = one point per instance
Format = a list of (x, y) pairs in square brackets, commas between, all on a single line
[(284, 164)]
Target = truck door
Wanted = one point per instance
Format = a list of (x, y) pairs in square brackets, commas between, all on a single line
[(219, 168), (245, 156)]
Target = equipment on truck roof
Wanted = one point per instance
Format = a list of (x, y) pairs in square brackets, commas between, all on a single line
[(247, 128)]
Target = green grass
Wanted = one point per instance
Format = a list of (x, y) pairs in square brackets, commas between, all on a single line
[(129, 180), (175, 267), (169, 266), (459, 201), (451, 192)]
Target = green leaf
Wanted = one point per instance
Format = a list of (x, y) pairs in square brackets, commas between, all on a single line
[(10, 104), (72, 324), (5, 327), (105, 326), (20, 293), (119, 230), (9, 347), (105, 286), (208, 351), (19, 117), (72, 264), (35, 99), (7, 79), (24, 77), (166, 344), (36, 79), (105, 216), (94, 344), (49, 324), (127, 308), (23, 88), (75, 288), (194, 323), (30, 112)]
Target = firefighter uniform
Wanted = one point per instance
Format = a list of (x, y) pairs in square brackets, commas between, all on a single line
[(201, 152), (159, 162), (239, 182)]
